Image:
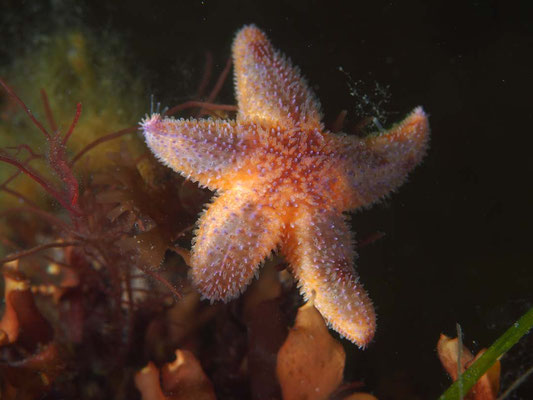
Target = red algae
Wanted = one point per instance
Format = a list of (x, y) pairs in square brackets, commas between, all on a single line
[(106, 243)]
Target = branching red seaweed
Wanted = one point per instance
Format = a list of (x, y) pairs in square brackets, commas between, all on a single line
[(98, 257)]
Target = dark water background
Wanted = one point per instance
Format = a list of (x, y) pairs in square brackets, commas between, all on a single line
[(457, 245)]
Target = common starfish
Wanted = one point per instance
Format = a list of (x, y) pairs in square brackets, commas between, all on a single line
[(283, 181)]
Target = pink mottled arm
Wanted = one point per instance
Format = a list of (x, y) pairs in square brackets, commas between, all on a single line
[(321, 255), (268, 86), (208, 151), (379, 163), (234, 236)]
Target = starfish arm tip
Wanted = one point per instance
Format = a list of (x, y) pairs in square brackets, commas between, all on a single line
[(419, 110), (362, 332), (150, 123)]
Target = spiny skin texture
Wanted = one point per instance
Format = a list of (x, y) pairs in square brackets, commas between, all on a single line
[(284, 182)]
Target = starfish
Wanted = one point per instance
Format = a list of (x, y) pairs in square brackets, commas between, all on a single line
[(283, 182)]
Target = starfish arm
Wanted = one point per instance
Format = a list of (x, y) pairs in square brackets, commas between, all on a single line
[(236, 233), (378, 164), (207, 150), (320, 251), (268, 86)]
